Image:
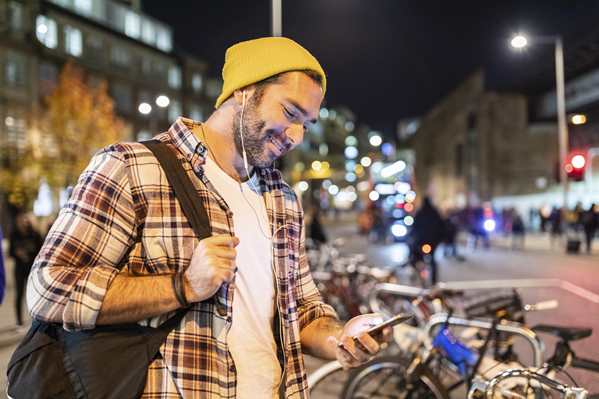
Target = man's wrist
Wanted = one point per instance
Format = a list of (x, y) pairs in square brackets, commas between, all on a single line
[(178, 281)]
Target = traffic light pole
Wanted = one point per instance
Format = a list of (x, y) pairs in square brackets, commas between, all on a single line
[(561, 116)]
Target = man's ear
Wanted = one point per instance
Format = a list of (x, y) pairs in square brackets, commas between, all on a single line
[(238, 94)]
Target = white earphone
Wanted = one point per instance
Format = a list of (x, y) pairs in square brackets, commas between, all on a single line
[(247, 171)]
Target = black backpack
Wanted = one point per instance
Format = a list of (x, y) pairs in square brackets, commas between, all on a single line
[(107, 362)]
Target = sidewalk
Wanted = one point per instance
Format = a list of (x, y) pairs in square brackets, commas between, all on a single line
[(542, 242)]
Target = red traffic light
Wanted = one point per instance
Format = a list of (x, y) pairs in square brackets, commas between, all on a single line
[(575, 166)]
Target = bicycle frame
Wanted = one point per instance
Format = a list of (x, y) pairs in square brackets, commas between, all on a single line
[(536, 344)]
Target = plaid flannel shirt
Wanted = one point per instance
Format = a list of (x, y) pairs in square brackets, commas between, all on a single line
[(123, 212)]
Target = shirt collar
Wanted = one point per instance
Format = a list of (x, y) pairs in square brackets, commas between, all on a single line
[(194, 150), (183, 138)]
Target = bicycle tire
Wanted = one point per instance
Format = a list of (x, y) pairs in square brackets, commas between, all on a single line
[(327, 380), (426, 385)]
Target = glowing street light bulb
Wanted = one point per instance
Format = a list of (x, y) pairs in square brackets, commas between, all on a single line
[(303, 186), (375, 140), (144, 108), (519, 42), (162, 101), (579, 119)]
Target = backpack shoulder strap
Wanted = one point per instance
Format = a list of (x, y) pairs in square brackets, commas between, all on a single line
[(190, 200)]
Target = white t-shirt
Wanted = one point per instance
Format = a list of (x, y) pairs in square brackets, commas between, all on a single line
[(251, 341)]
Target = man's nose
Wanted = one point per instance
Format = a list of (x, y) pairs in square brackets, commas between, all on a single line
[(294, 135)]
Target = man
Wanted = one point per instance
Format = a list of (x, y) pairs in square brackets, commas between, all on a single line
[(428, 229), (254, 306), (25, 243)]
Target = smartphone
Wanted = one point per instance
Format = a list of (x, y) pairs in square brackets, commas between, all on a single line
[(400, 318)]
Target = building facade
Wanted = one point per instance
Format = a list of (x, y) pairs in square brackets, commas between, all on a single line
[(477, 144), (112, 41)]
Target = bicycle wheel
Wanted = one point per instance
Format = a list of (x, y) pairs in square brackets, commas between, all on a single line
[(327, 381), (386, 377)]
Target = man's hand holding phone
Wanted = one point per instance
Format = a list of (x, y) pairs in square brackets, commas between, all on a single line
[(362, 337)]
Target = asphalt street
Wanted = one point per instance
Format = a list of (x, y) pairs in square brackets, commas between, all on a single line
[(498, 262), (539, 260)]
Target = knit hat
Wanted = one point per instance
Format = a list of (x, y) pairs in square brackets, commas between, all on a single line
[(255, 60)]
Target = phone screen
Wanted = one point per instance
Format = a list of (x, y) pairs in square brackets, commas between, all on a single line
[(400, 318)]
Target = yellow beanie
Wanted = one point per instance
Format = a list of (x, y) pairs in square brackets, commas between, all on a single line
[(255, 60)]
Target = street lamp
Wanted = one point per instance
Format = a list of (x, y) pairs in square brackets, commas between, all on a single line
[(519, 42), (162, 101), (144, 108)]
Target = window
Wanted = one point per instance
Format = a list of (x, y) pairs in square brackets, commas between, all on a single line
[(15, 16), (15, 127), (197, 82), (163, 40), (121, 94), (174, 77), (45, 31), (143, 135), (174, 110), (94, 42), (132, 24), (148, 34), (48, 76), (146, 66), (84, 6), (15, 69), (73, 43), (119, 56), (213, 87), (196, 113)]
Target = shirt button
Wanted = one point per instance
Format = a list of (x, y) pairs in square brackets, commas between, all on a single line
[(232, 368)]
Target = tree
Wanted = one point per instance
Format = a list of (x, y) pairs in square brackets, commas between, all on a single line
[(77, 121)]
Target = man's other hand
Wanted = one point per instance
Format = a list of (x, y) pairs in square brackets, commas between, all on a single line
[(212, 264)]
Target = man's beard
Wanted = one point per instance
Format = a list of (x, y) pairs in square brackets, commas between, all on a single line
[(253, 142)]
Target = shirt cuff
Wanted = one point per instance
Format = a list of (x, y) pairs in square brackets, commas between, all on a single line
[(87, 296), (315, 310)]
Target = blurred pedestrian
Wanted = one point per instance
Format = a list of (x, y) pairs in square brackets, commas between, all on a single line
[(450, 246), (428, 228), (590, 223), (315, 229), (518, 231), (575, 217), (477, 227), (555, 220), (25, 243)]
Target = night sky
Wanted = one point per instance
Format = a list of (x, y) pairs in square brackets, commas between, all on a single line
[(389, 59)]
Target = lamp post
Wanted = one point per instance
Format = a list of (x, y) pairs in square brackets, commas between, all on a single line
[(276, 15), (521, 41), (144, 108)]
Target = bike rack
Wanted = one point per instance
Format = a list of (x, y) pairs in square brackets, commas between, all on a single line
[(487, 388)]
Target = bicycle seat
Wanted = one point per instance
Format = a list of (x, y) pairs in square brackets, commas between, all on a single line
[(565, 333)]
